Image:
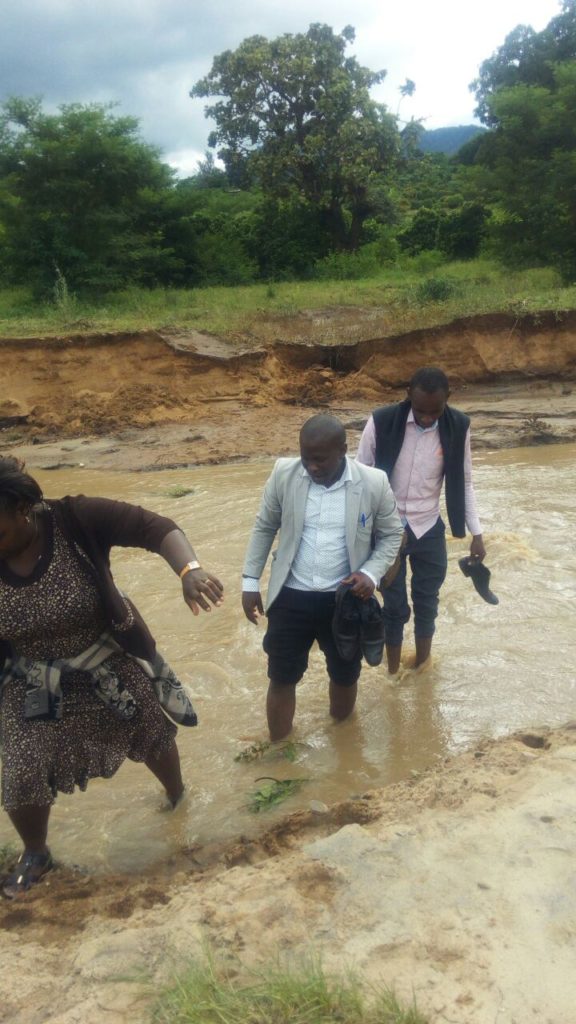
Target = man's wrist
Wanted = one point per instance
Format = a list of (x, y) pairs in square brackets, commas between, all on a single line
[(370, 576), (250, 585)]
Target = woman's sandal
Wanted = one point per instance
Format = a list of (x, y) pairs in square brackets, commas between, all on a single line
[(30, 868)]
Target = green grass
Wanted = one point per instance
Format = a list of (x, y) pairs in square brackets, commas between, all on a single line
[(178, 491), (403, 295), (204, 995), (7, 857)]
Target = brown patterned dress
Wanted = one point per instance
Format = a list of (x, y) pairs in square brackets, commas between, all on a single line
[(56, 613)]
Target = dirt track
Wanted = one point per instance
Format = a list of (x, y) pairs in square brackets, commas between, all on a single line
[(88, 399)]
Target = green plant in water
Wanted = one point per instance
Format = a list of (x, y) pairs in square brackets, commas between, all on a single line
[(254, 752), (275, 791), (263, 749), (178, 491)]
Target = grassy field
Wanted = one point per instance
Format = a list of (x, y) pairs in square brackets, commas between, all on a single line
[(418, 294)]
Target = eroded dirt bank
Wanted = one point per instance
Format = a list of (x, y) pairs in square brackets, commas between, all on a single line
[(152, 400), (455, 887)]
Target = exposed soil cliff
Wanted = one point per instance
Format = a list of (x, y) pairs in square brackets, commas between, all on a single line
[(179, 391)]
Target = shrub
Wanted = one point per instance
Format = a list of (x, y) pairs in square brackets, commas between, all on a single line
[(350, 266), (435, 289)]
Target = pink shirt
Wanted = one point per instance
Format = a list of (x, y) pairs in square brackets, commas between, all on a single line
[(418, 474)]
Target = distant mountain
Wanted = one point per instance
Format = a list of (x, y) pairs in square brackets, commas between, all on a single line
[(448, 140)]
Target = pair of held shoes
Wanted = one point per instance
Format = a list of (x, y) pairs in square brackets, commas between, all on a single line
[(358, 626), (30, 868)]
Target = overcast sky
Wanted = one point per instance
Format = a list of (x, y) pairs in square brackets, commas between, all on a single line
[(147, 54)]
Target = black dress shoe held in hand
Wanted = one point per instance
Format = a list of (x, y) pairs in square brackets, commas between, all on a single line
[(480, 576), (346, 622), (372, 631)]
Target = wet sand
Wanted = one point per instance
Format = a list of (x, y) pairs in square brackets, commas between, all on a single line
[(456, 888)]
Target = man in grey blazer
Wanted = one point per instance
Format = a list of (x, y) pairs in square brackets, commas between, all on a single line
[(338, 523)]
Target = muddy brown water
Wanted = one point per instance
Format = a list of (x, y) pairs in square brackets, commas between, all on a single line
[(496, 669)]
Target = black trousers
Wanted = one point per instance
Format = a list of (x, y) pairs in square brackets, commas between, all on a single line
[(296, 619), (428, 562)]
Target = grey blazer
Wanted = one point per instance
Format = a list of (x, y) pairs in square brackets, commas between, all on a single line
[(370, 509)]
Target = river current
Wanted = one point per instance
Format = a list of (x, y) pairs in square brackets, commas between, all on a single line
[(496, 669)]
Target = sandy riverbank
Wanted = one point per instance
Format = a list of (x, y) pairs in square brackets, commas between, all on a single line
[(456, 886)]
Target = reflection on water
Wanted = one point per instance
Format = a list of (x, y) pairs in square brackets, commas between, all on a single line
[(496, 669)]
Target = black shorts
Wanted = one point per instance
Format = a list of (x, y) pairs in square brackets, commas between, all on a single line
[(295, 620)]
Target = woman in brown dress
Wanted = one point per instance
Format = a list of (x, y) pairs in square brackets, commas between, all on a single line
[(82, 685)]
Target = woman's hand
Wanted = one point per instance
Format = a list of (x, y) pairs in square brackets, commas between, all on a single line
[(199, 587)]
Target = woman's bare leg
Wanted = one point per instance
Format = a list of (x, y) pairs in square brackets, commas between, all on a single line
[(166, 768), (31, 824)]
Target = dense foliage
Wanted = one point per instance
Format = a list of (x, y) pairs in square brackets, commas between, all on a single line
[(525, 167), (81, 199), (315, 178), (296, 118)]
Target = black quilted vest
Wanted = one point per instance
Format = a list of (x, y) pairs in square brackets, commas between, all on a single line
[(390, 424)]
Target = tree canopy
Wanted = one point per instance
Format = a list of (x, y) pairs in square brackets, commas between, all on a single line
[(296, 117), (81, 198), (527, 169), (318, 180), (526, 58)]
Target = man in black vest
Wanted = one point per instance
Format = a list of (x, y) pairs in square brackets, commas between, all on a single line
[(419, 443)]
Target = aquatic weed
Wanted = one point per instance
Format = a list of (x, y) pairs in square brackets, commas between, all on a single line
[(274, 792)]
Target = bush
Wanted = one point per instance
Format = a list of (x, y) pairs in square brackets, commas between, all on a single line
[(350, 266), (424, 262), (435, 289)]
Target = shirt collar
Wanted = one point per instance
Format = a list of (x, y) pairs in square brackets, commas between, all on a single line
[(344, 479), (423, 430)]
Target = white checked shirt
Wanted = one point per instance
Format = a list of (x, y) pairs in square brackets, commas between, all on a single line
[(322, 561)]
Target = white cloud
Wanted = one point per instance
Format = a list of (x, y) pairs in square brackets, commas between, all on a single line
[(147, 54), (184, 161)]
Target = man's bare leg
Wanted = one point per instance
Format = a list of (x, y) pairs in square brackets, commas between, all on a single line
[(422, 654), (393, 652), (423, 649), (342, 700), (280, 708)]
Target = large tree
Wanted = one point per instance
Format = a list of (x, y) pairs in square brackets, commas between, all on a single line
[(81, 198), (526, 58), (527, 169), (296, 116)]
